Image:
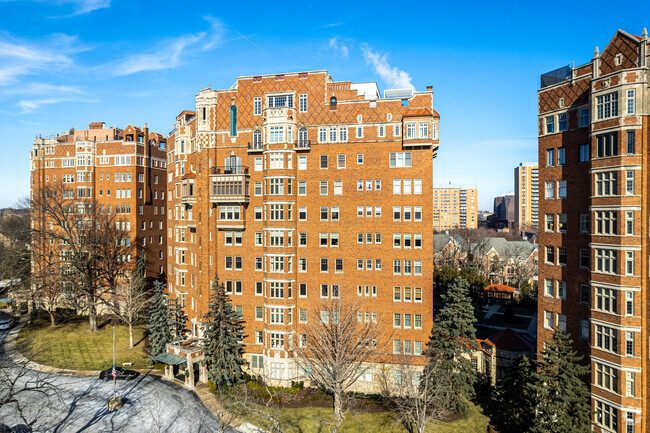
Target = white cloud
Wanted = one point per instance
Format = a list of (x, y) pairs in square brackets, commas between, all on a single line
[(43, 89), (28, 106), (392, 76), (168, 54), (79, 7), (339, 47), (19, 58)]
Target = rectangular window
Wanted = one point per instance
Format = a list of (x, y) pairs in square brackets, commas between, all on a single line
[(549, 190), (629, 222), (629, 182), (606, 183), (630, 147), (397, 186), (585, 258), (550, 124), (548, 287), (629, 303), (257, 106), (607, 145), (584, 117), (410, 130), (302, 102), (606, 261), (302, 187), (629, 263), (606, 300), (584, 152), (302, 213), (338, 187), (561, 289), (340, 160), (607, 106), (561, 122), (334, 213), (630, 101), (323, 187), (550, 255), (561, 256), (302, 162), (550, 222), (607, 377), (324, 211), (561, 222), (324, 163), (606, 415), (400, 159), (549, 320), (629, 343), (560, 156), (561, 189), (606, 223), (550, 157), (584, 223)]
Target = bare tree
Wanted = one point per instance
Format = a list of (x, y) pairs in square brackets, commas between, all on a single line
[(334, 345), (519, 269), (48, 278), (93, 240), (133, 298), (14, 249), (417, 396)]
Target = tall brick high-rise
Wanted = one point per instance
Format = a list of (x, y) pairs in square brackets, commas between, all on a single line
[(455, 208), (122, 171), (295, 188), (593, 232)]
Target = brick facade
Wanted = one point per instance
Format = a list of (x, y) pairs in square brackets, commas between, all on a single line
[(593, 234), (294, 188)]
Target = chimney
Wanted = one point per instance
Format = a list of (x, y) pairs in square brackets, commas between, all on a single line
[(429, 88)]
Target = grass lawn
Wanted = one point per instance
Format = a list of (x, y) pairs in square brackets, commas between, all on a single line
[(71, 345), (299, 420)]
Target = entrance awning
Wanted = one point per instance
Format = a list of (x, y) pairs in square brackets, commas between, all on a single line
[(170, 359)]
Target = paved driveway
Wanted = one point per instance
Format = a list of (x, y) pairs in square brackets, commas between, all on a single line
[(78, 404)]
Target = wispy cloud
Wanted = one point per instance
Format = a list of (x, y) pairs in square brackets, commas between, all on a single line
[(19, 58), (339, 47), (28, 106), (79, 7), (168, 54), (392, 76), (43, 89), (327, 26)]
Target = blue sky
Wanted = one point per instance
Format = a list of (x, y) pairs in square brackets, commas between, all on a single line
[(66, 63)]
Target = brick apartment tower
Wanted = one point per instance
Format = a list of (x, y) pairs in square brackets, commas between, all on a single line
[(294, 188), (593, 232), (123, 170), (454, 208), (526, 195)]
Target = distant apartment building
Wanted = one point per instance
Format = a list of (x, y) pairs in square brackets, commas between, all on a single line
[(295, 189), (593, 266), (504, 207), (122, 172), (454, 208), (526, 195)]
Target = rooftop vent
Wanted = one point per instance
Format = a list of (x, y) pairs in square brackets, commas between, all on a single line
[(398, 93)]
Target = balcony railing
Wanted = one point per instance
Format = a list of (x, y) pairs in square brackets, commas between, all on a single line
[(229, 184), (297, 144)]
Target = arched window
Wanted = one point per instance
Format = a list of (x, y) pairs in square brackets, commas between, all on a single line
[(257, 139), (232, 164), (333, 101), (302, 137), (233, 121)]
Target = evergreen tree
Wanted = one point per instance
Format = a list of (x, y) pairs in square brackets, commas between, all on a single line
[(515, 409), (453, 339), (159, 323), (222, 339), (177, 319), (561, 397)]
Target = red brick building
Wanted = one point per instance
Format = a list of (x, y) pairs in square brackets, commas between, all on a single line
[(294, 189), (593, 233), (123, 171)]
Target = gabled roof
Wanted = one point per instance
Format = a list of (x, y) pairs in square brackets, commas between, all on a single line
[(511, 341), (414, 112)]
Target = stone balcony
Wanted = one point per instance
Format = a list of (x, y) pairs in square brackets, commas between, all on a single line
[(229, 184)]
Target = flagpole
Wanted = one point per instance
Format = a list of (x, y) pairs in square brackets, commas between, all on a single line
[(114, 375)]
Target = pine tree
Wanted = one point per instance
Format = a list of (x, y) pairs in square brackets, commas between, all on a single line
[(222, 339), (453, 339), (159, 323), (515, 409), (177, 319), (561, 397)]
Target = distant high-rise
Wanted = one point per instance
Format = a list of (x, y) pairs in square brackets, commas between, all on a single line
[(455, 208), (526, 195), (504, 207)]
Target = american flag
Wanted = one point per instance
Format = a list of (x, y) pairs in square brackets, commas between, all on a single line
[(113, 372)]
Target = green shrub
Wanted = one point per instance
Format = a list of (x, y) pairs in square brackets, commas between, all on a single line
[(212, 386), (3, 305)]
